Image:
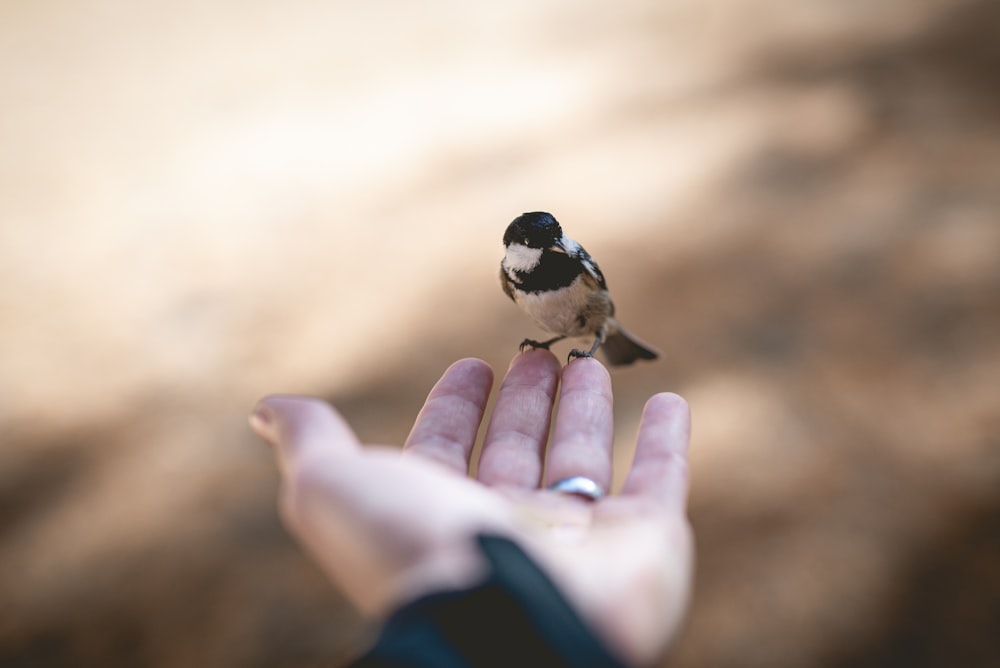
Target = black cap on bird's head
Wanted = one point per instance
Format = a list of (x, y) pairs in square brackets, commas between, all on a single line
[(537, 229)]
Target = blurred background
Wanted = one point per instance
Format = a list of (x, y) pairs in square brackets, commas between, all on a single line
[(200, 203)]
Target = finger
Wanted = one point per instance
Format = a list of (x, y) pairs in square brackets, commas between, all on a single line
[(445, 430), (584, 433), (660, 468), (302, 428), (519, 428)]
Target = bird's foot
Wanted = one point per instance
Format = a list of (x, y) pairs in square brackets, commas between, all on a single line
[(574, 354), (534, 345)]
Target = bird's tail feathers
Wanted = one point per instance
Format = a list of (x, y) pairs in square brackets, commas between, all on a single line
[(621, 347)]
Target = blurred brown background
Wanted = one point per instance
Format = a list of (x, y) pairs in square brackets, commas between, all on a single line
[(201, 203)]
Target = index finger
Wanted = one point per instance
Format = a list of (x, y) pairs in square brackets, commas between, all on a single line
[(660, 467), (445, 430)]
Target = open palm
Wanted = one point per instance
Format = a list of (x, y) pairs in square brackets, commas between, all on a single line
[(388, 527)]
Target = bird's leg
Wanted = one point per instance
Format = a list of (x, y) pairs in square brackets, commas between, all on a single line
[(534, 345), (573, 354)]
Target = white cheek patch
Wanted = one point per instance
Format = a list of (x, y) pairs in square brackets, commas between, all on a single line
[(522, 258)]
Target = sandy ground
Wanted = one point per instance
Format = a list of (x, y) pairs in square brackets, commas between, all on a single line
[(799, 203)]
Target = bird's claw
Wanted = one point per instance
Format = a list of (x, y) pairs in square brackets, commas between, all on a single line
[(534, 345), (574, 354)]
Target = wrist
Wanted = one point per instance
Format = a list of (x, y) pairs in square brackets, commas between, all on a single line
[(455, 567)]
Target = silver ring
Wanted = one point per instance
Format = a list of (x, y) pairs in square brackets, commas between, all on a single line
[(580, 486)]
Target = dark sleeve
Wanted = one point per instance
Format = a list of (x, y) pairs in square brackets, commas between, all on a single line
[(516, 617)]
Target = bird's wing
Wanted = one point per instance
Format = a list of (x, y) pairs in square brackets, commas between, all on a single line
[(506, 284), (593, 272)]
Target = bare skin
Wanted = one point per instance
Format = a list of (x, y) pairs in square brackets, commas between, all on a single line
[(388, 526)]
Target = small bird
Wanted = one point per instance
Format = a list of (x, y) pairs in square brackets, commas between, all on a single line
[(560, 286)]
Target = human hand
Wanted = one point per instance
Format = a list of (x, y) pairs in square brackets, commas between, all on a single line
[(389, 527)]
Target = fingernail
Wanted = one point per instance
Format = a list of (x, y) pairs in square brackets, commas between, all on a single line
[(262, 422)]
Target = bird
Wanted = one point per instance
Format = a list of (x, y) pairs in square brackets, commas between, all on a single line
[(556, 282)]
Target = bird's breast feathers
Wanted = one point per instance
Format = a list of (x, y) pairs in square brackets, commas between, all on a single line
[(579, 309)]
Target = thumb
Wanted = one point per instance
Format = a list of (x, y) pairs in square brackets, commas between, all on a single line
[(301, 429)]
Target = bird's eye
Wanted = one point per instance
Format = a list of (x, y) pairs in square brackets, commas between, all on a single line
[(525, 241)]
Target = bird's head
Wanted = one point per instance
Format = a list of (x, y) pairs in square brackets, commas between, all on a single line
[(533, 230)]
